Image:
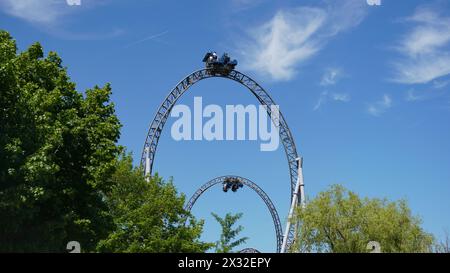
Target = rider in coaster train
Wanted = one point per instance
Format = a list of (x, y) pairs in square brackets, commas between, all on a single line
[(232, 183), (223, 63)]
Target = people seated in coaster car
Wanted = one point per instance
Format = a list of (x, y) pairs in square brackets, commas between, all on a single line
[(221, 66), (231, 183)]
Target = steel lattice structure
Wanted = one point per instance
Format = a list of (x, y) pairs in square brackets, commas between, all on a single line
[(253, 186), (157, 125), (249, 250)]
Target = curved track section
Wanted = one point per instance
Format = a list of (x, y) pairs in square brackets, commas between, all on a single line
[(157, 125), (253, 186), (249, 250)]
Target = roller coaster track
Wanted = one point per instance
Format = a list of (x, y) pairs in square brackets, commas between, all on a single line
[(294, 161)]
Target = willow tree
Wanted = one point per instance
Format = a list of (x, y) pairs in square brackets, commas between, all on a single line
[(338, 220)]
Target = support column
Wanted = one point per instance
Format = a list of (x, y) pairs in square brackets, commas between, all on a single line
[(299, 189), (147, 164)]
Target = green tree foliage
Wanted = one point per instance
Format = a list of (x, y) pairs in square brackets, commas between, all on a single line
[(443, 246), (57, 152), (228, 239), (60, 179), (149, 216), (338, 220)]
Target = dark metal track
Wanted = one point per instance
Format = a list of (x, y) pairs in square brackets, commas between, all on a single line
[(249, 250), (253, 186), (263, 97), (157, 125)]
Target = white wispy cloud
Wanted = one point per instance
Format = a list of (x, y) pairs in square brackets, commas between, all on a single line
[(411, 96), (331, 76), (277, 47), (341, 97), (52, 16), (440, 84), (326, 96), (241, 5), (322, 99), (35, 11), (425, 48), (380, 107)]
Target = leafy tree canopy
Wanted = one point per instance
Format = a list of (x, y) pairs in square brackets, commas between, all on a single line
[(228, 239), (62, 177), (338, 220), (149, 216), (57, 151)]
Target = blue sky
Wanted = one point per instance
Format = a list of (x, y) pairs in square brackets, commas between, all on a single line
[(364, 89)]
